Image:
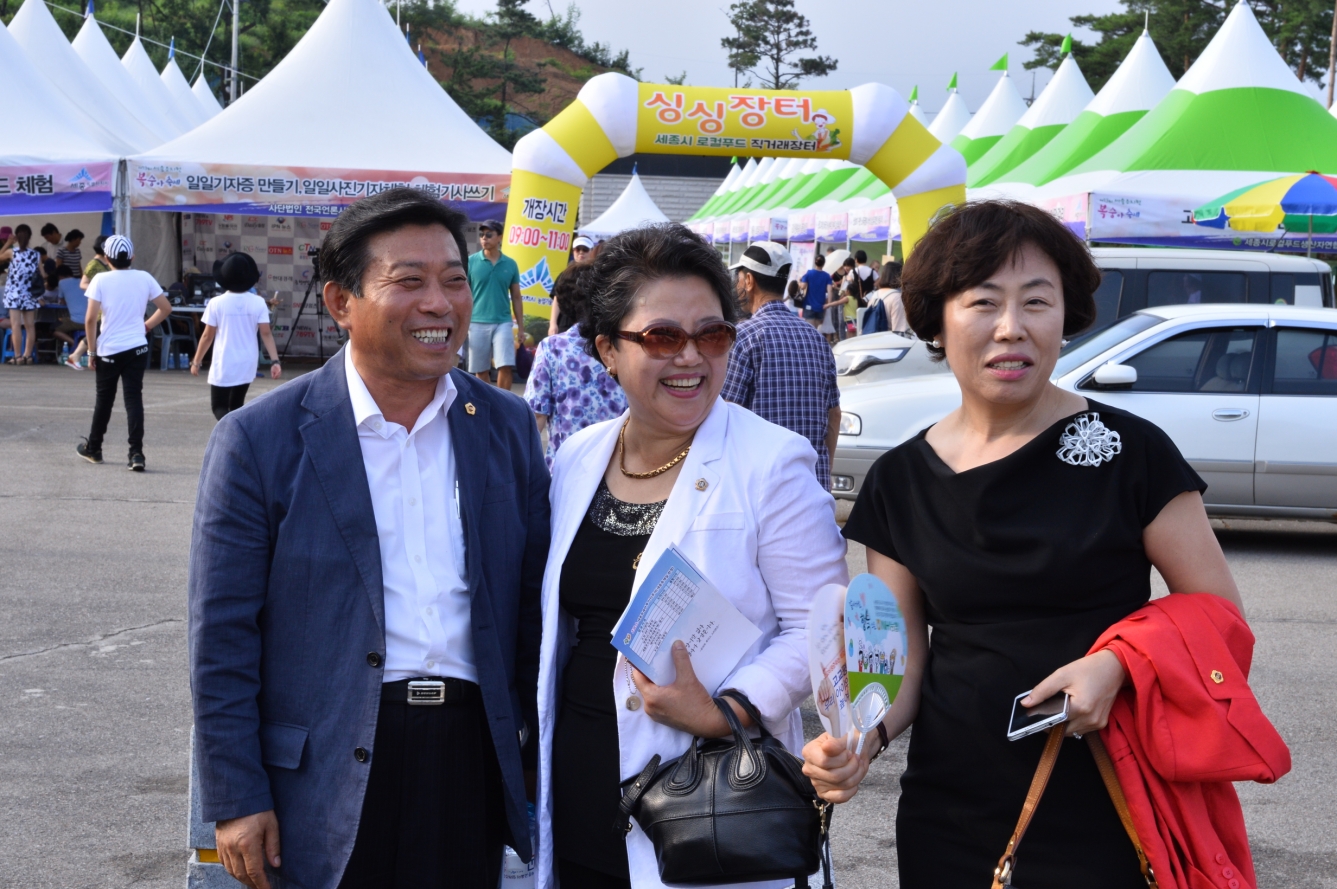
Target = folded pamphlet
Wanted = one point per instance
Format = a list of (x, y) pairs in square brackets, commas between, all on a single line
[(675, 601)]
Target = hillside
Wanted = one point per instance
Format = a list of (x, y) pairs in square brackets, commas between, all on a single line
[(451, 54)]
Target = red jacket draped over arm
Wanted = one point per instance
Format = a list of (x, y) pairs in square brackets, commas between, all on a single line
[(1187, 727)]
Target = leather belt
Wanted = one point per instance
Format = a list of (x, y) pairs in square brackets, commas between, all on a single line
[(429, 691)]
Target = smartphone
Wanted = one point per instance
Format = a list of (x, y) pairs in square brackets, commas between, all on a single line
[(1029, 720)]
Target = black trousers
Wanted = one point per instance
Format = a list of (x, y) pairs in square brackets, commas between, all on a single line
[(128, 368), (433, 816), (226, 399)]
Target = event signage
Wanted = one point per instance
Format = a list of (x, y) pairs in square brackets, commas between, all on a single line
[(56, 188), (723, 121), (738, 230), (779, 228), (802, 226), (614, 116), (758, 228), (299, 191), (832, 228), (1166, 221), (870, 224)]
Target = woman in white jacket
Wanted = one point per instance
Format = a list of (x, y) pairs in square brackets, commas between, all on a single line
[(738, 495)]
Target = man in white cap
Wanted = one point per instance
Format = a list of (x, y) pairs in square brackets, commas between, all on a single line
[(119, 350), (781, 368)]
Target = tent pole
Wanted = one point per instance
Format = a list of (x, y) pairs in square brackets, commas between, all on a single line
[(236, 23), (120, 200)]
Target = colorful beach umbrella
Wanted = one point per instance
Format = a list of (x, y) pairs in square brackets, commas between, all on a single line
[(1304, 202)]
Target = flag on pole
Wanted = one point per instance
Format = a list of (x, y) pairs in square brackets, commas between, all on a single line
[(1000, 65), (88, 13), (951, 84), (914, 94), (1067, 45), (171, 49)]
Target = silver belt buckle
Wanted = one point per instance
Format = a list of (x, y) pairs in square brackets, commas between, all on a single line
[(426, 692)]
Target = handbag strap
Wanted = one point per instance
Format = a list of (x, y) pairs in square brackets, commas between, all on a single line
[(749, 708), (627, 805), (1002, 875), (1111, 779)]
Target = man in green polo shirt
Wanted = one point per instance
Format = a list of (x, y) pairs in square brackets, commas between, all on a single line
[(495, 280)]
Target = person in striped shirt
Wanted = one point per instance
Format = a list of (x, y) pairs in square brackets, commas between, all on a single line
[(69, 254)]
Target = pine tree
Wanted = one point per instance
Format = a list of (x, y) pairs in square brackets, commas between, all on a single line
[(770, 36)]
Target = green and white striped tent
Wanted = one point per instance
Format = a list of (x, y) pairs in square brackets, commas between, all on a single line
[(953, 117), (1058, 105), (708, 208), (1237, 117), (999, 114), (915, 111), (1139, 84)]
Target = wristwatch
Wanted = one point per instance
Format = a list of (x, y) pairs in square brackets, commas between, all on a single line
[(886, 741)]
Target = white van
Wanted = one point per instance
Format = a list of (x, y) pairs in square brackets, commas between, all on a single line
[(1134, 278)]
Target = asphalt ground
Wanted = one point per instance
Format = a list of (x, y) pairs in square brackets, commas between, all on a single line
[(94, 695)]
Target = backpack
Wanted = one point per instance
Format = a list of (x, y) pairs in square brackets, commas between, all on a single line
[(875, 319)]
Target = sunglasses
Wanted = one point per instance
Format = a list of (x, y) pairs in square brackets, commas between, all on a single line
[(667, 341)]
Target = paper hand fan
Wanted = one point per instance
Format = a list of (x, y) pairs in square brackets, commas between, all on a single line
[(826, 659), (874, 651)]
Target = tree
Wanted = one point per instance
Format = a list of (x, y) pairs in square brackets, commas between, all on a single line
[(1300, 30), (770, 35)]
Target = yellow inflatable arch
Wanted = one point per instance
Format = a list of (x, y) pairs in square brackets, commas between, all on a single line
[(614, 116)]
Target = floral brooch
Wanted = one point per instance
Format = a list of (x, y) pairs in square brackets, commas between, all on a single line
[(1088, 442)]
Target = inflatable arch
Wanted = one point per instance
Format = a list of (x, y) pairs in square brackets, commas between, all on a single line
[(614, 116)]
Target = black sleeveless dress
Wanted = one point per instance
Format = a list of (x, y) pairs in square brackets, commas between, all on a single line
[(1023, 563)]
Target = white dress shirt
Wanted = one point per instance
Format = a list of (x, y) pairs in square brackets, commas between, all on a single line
[(415, 496)]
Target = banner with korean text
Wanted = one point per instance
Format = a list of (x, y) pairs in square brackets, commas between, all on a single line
[(56, 188), (300, 191)]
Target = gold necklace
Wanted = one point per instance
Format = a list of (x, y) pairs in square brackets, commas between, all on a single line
[(622, 458)]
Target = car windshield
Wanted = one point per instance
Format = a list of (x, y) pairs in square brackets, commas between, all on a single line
[(1077, 353)]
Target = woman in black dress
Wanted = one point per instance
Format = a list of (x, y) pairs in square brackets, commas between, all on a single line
[(1019, 528)]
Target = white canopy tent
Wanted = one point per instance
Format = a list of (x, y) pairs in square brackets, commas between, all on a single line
[(205, 93), (366, 103), (633, 208), (92, 46), (185, 101), (54, 164), (136, 61), (98, 109)]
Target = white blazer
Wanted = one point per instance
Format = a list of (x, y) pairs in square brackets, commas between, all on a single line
[(747, 510)]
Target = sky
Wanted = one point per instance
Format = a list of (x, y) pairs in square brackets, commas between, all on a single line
[(897, 42)]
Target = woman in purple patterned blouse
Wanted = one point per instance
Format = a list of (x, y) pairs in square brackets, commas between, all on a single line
[(567, 389)]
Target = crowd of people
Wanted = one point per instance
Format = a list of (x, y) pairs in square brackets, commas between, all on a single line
[(401, 604)]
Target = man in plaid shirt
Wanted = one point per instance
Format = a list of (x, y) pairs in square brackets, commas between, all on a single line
[(781, 368)]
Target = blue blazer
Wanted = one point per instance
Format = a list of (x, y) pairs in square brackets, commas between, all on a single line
[(286, 605)]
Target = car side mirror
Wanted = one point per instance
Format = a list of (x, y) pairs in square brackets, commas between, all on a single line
[(1114, 376)]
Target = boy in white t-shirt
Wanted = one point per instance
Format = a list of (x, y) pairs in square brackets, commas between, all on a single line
[(119, 350), (231, 322)]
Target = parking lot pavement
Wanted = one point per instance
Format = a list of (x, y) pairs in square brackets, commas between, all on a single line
[(94, 696)]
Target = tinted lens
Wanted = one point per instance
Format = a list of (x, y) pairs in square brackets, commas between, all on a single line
[(714, 340), (663, 342)]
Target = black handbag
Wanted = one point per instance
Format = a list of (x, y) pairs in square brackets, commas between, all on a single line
[(731, 810)]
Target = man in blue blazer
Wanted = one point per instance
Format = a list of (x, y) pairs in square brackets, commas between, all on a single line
[(365, 570)]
